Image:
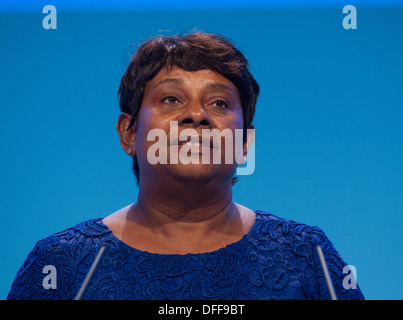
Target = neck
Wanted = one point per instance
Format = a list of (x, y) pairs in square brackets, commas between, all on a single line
[(177, 210), (182, 218), (186, 202)]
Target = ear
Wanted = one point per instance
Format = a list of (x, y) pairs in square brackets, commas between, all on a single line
[(127, 136), (250, 138)]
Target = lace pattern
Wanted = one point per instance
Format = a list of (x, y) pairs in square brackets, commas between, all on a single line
[(276, 259)]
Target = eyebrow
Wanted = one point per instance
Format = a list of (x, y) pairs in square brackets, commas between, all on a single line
[(170, 80), (219, 86), (210, 85)]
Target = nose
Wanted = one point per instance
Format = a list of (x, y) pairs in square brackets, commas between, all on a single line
[(195, 115)]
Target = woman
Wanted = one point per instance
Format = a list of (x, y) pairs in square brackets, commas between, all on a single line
[(185, 238)]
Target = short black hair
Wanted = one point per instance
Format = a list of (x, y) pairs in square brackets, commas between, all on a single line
[(191, 52)]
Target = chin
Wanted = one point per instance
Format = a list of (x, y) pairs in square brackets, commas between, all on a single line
[(201, 173)]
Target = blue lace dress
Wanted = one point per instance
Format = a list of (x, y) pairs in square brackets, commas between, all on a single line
[(276, 259)]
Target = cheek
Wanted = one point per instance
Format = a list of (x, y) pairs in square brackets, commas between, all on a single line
[(233, 123), (143, 126), (146, 121), (151, 132), (235, 152), (235, 118)]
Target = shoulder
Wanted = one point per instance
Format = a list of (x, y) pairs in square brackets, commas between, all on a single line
[(296, 243), (63, 252), (291, 236), (86, 235), (276, 227)]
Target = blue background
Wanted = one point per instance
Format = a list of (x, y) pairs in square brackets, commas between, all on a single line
[(328, 122)]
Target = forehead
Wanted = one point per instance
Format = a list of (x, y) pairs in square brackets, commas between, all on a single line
[(200, 79)]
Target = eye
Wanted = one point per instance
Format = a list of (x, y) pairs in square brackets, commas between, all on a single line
[(220, 104), (170, 100)]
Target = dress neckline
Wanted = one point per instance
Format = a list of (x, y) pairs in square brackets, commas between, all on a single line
[(136, 251)]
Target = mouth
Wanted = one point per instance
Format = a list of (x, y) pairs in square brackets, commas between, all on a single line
[(195, 143)]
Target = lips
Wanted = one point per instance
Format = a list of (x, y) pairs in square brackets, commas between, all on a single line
[(194, 141)]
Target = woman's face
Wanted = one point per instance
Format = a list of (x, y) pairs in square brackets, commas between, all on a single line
[(187, 103)]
